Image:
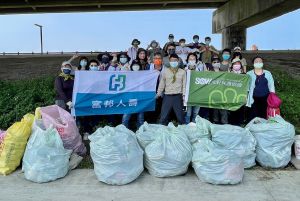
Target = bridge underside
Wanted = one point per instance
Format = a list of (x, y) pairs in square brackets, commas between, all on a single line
[(57, 6)]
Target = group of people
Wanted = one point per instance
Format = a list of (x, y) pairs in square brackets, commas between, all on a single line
[(172, 61)]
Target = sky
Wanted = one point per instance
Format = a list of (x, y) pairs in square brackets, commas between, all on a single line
[(114, 31)]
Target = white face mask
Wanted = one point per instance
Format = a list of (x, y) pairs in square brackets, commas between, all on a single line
[(192, 62), (216, 65), (123, 60), (258, 65), (83, 63), (182, 44), (135, 67)]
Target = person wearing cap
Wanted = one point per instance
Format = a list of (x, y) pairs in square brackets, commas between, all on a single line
[(261, 84), (153, 48), (123, 62), (237, 53), (207, 51), (64, 83), (171, 41), (132, 51), (182, 50), (237, 117), (172, 85)]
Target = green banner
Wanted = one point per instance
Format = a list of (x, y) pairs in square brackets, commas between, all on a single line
[(220, 90)]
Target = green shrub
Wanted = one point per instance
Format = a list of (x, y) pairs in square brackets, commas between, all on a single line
[(20, 97)]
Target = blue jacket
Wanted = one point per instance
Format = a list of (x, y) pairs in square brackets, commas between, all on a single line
[(252, 75)]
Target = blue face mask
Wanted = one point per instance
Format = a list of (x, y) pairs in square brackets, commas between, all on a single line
[(83, 63), (174, 64), (94, 68), (226, 56), (66, 71)]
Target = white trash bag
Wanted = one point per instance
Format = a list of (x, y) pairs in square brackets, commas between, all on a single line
[(45, 157), (216, 165), (147, 133), (198, 130), (275, 138), (237, 139), (117, 156), (169, 154)]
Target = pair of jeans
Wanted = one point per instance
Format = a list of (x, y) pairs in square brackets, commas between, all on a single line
[(126, 118), (191, 111)]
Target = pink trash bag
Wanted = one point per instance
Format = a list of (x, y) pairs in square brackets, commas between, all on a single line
[(66, 127), (274, 103), (2, 135)]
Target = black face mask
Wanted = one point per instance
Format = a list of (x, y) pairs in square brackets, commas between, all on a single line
[(105, 60), (172, 51)]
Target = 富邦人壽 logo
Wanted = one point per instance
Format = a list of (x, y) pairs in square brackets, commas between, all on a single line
[(117, 82)]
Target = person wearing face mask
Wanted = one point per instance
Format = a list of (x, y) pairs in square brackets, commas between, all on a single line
[(219, 116), (135, 66), (142, 59), (83, 63), (207, 51), (105, 61), (237, 53), (261, 84), (166, 60), (64, 86), (94, 65), (225, 64), (182, 50), (193, 64), (152, 49), (170, 42), (132, 51), (237, 117), (123, 60), (172, 84)]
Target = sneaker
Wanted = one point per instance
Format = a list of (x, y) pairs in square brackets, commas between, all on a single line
[(85, 136)]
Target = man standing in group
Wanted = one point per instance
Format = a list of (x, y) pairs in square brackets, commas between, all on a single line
[(207, 51), (172, 84)]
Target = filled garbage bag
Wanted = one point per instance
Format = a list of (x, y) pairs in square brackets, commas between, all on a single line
[(237, 139), (147, 133), (275, 138), (216, 165), (66, 126), (117, 156), (45, 157), (169, 154), (14, 144), (198, 130)]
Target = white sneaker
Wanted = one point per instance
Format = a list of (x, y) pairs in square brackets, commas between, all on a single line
[(85, 136)]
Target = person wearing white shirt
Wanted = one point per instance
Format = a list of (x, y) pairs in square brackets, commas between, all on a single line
[(182, 50), (132, 51)]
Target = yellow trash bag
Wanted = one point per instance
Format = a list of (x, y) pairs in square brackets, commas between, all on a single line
[(14, 144)]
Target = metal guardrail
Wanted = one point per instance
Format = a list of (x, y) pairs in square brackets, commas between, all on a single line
[(98, 52)]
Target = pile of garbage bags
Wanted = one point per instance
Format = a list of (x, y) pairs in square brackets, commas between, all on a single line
[(45, 157), (168, 151), (117, 156), (274, 138)]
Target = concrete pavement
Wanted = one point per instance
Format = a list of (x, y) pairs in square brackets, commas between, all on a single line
[(82, 185)]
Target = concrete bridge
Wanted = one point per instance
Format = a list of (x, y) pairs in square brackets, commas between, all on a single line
[(231, 17)]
